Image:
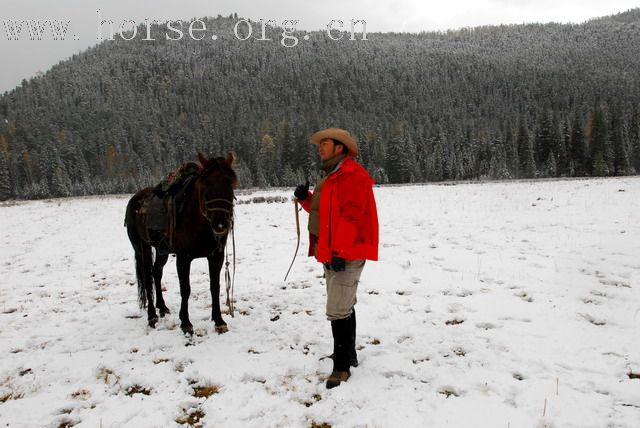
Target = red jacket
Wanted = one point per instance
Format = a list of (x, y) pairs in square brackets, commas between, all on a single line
[(348, 215)]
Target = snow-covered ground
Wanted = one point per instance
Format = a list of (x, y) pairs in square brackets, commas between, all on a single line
[(493, 305)]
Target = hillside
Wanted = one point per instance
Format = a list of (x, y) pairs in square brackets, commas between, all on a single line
[(534, 100)]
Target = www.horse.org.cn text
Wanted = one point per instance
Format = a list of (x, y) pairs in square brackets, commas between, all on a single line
[(150, 30)]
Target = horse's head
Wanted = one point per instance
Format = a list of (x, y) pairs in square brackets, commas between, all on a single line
[(214, 189)]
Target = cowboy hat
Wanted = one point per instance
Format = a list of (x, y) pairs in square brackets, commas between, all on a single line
[(339, 135)]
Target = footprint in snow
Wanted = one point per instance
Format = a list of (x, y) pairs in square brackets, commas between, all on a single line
[(486, 326), (595, 321), (598, 293), (518, 376), (465, 293), (65, 420), (614, 283), (403, 339), (449, 391), (455, 308), (458, 352), (524, 296)]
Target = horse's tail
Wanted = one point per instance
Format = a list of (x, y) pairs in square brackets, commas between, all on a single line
[(142, 294), (143, 252), (144, 261)]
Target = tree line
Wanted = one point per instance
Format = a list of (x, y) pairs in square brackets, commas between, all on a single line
[(492, 102)]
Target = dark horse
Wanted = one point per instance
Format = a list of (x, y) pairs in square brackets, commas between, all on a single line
[(201, 230)]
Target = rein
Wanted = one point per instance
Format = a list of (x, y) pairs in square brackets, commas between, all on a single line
[(230, 280), (205, 209), (298, 243)]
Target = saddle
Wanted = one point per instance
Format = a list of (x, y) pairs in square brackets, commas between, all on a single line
[(159, 212)]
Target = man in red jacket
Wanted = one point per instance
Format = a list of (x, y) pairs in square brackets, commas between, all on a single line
[(343, 233)]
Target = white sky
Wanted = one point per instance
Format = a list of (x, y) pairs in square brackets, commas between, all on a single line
[(23, 58)]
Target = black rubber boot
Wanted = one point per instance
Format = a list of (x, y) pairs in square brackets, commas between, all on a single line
[(341, 330), (353, 356)]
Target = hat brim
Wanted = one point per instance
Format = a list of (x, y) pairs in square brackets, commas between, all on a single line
[(337, 134)]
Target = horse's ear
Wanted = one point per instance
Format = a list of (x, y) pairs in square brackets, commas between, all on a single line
[(202, 159), (231, 158)]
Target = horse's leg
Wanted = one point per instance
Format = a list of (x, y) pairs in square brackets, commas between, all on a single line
[(145, 262), (183, 264), (215, 264), (158, 265)]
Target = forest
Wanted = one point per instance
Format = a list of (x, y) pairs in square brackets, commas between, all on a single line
[(492, 102)]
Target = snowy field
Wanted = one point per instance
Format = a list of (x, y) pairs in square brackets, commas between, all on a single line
[(493, 305)]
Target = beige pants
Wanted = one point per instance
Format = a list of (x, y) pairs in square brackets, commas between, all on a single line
[(341, 289)]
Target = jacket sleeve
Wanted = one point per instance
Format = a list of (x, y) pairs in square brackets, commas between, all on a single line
[(306, 204), (353, 203)]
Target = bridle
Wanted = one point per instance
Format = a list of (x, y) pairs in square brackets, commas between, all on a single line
[(210, 206), (207, 208)]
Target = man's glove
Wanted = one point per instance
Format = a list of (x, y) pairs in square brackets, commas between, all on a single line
[(337, 264), (302, 191)]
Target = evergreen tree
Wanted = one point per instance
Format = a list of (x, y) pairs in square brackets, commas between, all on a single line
[(289, 178), (635, 141), (60, 182), (601, 152), (498, 162), (526, 158), (579, 158), (547, 138), (620, 144), (245, 178), (267, 164), (5, 175), (600, 167), (511, 151), (396, 156), (550, 168), (563, 168)]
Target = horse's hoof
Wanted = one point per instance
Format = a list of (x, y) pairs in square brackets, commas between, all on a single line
[(188, 330), (220, 329), (164, 311), (152, 322)]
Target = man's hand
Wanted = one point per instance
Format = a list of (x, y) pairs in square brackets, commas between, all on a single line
[(337, 264), (302, 191)]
